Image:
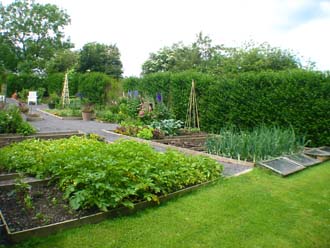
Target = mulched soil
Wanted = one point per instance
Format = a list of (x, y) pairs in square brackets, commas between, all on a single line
[(48, 207)]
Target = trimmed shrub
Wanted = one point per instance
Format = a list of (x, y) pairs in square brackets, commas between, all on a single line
[(93, 86)]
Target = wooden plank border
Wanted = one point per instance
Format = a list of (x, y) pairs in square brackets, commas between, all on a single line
[(7, 139), (16, 237)]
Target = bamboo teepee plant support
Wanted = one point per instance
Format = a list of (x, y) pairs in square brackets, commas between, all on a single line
[(65, 92), (192, 118)]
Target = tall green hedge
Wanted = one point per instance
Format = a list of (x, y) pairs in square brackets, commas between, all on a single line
[(55, 82), (288, 98), (24, 81), (95, 86), (295, 98)]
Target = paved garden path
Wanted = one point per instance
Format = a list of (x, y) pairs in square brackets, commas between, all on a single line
[(53, 124)]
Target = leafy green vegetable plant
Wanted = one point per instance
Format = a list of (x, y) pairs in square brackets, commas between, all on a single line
[(260, 143), (169, 127), (23, 193), (97, 174), (145, 133)]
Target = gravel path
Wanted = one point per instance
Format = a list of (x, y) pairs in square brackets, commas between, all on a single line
[(52, 124)]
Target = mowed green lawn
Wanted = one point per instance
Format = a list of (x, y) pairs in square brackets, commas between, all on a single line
[(259, 209)]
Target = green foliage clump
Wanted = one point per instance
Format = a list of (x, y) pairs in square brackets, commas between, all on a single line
[(22, 191), (161, 112), (25, 128), (145, 133), (97, 174), (169, 127), (93, 85), (54, 98), (259, 144), (106, 115), (11, 121), (133, 106), (130, 127)]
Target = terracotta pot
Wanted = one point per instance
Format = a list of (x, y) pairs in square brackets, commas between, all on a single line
[(87, 116)]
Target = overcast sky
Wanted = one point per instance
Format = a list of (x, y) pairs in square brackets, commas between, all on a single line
[(139, 27)]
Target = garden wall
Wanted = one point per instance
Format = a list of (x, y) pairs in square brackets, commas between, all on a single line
[(296, 98)]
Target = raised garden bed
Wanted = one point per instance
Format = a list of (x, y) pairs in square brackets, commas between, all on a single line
[(193, 141), (76, 117), (163, 147), (50, 213), (7, 181), (6, 139), (118, 179)]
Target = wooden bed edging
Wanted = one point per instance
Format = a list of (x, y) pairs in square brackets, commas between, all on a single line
[(6, 139), (9, 176), (36, 182), (43, 231)]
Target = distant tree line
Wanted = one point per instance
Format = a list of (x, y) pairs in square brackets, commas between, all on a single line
[(203, 56), (32, 40)]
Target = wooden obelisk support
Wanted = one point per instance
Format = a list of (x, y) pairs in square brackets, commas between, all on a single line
[(192, 118), (65, 92)]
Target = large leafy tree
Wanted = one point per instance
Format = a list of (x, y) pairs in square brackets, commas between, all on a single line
[(178, 57), (98, 57), (203, 56), (256, 57), (34, 31), (62, 61), (199, 55), (8, 58)]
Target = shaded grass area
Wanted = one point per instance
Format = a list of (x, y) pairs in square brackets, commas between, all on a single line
[(259, 209)]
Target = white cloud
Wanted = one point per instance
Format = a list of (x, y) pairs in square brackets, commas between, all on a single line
[(144, 26)]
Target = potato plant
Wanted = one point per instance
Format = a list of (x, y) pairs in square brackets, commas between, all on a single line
[(96, 174)]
